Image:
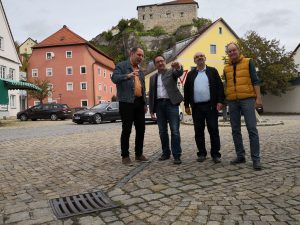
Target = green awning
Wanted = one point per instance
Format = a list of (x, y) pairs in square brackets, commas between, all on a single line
[(3, 93), (22, 85)]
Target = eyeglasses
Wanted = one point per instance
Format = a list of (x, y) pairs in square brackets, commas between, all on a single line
[(159, 61)]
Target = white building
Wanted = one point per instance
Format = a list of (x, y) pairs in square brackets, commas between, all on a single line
[(289, 102), (9, 65)]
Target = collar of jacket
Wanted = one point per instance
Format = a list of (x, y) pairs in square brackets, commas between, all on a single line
[(239, 59)]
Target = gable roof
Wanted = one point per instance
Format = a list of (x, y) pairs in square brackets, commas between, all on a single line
[(177, 2), (174, 52), (27, 40), (296, 49), (66, 37), (11, 36)]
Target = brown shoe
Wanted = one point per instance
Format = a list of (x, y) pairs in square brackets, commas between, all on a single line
[(141, 158), (127, 161)]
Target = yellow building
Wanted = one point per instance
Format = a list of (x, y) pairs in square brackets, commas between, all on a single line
[(26, 47), (211, 40)]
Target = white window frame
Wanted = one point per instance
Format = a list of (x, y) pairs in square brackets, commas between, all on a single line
[(104, 73), (99, 70), (104, 88), (69, 67), (84, 100), (50, 90), (81, 83), (3, 72), (12, 101), (70, 56), (111, 89), (35, 72), (70, 83), (49, 70), (1, 43), (83, 66), (11, 73), (213, 47), (51, 54), (99, 87)]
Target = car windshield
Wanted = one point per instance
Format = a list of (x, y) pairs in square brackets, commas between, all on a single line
[(100, 106)]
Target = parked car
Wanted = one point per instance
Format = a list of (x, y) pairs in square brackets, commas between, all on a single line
[(51, 111), (108, 111)]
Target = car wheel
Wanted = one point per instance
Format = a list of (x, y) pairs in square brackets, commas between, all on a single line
[(97, 118), (79, 122), (181, 116), (23, 117), (34, 119), (112, 121), (53, 117)]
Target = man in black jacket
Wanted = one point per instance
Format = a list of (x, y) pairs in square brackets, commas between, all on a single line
[(204, 92)]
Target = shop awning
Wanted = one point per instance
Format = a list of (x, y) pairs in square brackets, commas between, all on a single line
[(22, 85), (6, 85)]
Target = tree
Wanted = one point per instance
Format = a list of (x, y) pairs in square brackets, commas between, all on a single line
[(275, 66), (201, 22), (46, 87)]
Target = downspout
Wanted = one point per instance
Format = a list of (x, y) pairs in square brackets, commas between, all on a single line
[(93, 75)]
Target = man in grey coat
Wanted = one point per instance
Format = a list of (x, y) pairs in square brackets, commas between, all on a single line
[(164, 99)]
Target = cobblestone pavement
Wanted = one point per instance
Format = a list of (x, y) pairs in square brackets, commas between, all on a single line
[(79, 159)]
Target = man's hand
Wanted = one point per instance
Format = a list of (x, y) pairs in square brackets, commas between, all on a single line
[(188, 111), (219, 106), (258, 102), (153, 117), (132, 74), (175, 65)]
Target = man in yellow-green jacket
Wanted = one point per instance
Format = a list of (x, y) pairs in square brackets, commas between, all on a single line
[(242, 92)]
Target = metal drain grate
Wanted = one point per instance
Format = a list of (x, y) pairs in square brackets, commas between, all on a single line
[(80, 204)]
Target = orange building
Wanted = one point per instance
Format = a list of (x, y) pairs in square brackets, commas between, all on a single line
[(79, 73)]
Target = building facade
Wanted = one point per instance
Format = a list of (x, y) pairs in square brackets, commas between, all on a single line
[(169, 15), (79, 74), (26, 47), (9, 65)]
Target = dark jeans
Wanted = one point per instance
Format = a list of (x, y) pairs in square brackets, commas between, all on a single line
[(132, 113), (245, 106), (166, 113), (202, 112)]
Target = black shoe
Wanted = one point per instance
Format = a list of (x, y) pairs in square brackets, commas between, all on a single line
[(238, 161), (177, 161), (216, 159), (201, 158), (164, 157), (257, 165)]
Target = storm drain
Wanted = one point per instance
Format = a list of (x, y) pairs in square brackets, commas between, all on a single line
[(81, 204)]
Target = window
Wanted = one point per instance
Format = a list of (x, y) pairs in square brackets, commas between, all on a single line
[(220, 30), (11, 74), (143, 17), (12, 101), (49, 72), (181, 14), (83, 86), (36, 102), (100, 87), (68, 54), (35, 73), (82, 69), (69, 70), (3, 72), (104, 88), (84, 103), (151, 16), (298, 74), (99, 70), (49, 55), (213, 49), (69, 86), (50, 89), (110, 75), (104, 73), (111, 89), (1, 43), (168, 14)]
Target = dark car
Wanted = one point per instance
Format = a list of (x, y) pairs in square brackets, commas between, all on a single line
[(51, 111), (102, 112)]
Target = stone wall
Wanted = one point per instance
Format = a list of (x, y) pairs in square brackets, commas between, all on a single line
[(170, 17)]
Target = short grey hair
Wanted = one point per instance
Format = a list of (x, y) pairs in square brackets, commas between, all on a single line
[(232, 43)]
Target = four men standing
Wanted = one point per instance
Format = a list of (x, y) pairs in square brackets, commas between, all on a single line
[(203, 91)]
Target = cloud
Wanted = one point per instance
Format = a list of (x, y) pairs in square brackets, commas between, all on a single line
[(274, 18)]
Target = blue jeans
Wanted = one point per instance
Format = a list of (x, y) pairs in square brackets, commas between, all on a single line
[(245, 106), (166, 113)]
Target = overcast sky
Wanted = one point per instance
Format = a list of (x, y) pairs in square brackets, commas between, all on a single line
[(273, 19)]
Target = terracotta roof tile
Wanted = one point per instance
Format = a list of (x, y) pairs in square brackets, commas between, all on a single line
[(101, 58), (64, 36)]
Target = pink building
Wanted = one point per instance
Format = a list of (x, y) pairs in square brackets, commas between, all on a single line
[(79, 73)]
